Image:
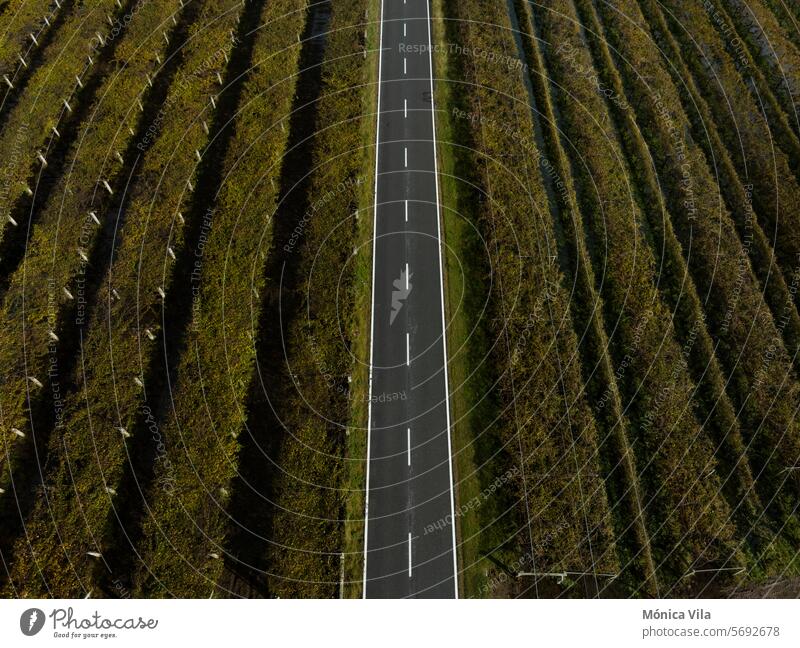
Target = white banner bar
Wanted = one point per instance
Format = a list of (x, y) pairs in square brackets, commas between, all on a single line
[(386, 624)]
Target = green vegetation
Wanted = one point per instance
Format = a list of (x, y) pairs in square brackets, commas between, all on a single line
[(137, 212), (53, 93), (304, 426), (733, 311), (67, 250), (58, 253), (788, 16), (761, 155), (775, 54), (23, 25), (619, 463), (354, 480), (737, 195), (687, 518), (185, 534), (536, 426)]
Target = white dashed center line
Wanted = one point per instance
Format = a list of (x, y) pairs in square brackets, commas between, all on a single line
[(409, 554), (409, 446)]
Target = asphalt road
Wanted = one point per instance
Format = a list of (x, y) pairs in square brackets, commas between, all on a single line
[(410, 538)]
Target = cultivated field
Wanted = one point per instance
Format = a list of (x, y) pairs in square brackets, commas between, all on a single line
[(164, 156), (624, 172), (186, 204)]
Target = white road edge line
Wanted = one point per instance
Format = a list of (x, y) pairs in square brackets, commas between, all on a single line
[(372, 308), (409, 554), (441, 282)]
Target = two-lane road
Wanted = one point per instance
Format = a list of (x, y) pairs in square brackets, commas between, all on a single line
[(410, 536)]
